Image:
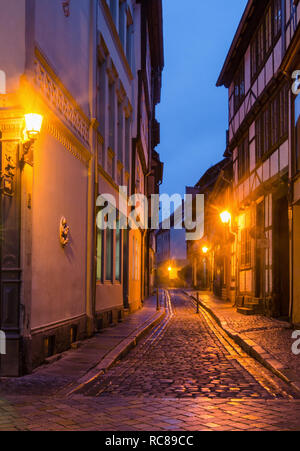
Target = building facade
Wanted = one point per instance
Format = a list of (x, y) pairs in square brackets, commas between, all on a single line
[(80, 66), (262, 148)]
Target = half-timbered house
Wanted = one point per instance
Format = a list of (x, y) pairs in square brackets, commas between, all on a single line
[(260, 138)]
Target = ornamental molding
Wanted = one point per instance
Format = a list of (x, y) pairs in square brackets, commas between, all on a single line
[(9, 168), (70, 144), (11, 126), (52, 89)]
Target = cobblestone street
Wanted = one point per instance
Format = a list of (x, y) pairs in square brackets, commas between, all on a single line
[(185, 375)]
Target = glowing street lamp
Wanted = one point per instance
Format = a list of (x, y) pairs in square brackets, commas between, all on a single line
[(33, 125), (205, 249), (225, 217), (32, 129), (169, 269)]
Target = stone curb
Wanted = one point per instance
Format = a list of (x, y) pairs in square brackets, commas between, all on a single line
[(120, 351), (253, 349)]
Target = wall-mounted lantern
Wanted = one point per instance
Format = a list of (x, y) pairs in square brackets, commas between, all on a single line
[(225, 217), (33, 125), (32, 130)]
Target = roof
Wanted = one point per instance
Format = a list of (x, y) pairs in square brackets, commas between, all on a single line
[(211, 175)]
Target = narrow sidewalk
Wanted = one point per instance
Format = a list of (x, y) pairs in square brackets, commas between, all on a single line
[(93, 355), (267, 340)]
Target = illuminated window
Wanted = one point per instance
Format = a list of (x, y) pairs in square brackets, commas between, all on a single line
[(245, 248)]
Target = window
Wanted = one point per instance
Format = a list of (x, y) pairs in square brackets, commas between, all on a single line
[(118, 252), (254, 58), (275, 121), (243, 157), (259, 135), (239, 87), (267, 129), (277, 14), (266, 36), (109, 254), (101, 97), (99, 254), (120, 132), (127, 144), (284, 111), (268, 29), (260, 45), (271, 127), (245, 248), (112, 116)]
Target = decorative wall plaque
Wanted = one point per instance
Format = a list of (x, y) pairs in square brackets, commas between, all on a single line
[(64, 231), (7, 175)]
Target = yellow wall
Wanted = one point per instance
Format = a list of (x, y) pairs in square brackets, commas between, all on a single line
[(135, 270)]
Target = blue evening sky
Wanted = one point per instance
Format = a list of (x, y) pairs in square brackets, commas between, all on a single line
[(193, 111)]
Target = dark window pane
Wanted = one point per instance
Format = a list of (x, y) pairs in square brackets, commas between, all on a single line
[(118, 253), (99, 254), (109, 253)]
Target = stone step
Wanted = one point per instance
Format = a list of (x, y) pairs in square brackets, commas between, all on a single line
[(246, 311), (257, 308)]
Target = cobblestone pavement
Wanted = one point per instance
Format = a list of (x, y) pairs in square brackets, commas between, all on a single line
[(184, 376), (272, 335)]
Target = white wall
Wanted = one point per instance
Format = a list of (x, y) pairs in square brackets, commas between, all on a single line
[(12, 42), (58, 275), (65, 43)]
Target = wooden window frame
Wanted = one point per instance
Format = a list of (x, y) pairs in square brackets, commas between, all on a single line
[(239, 87), (243, 157), (256, 63)]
